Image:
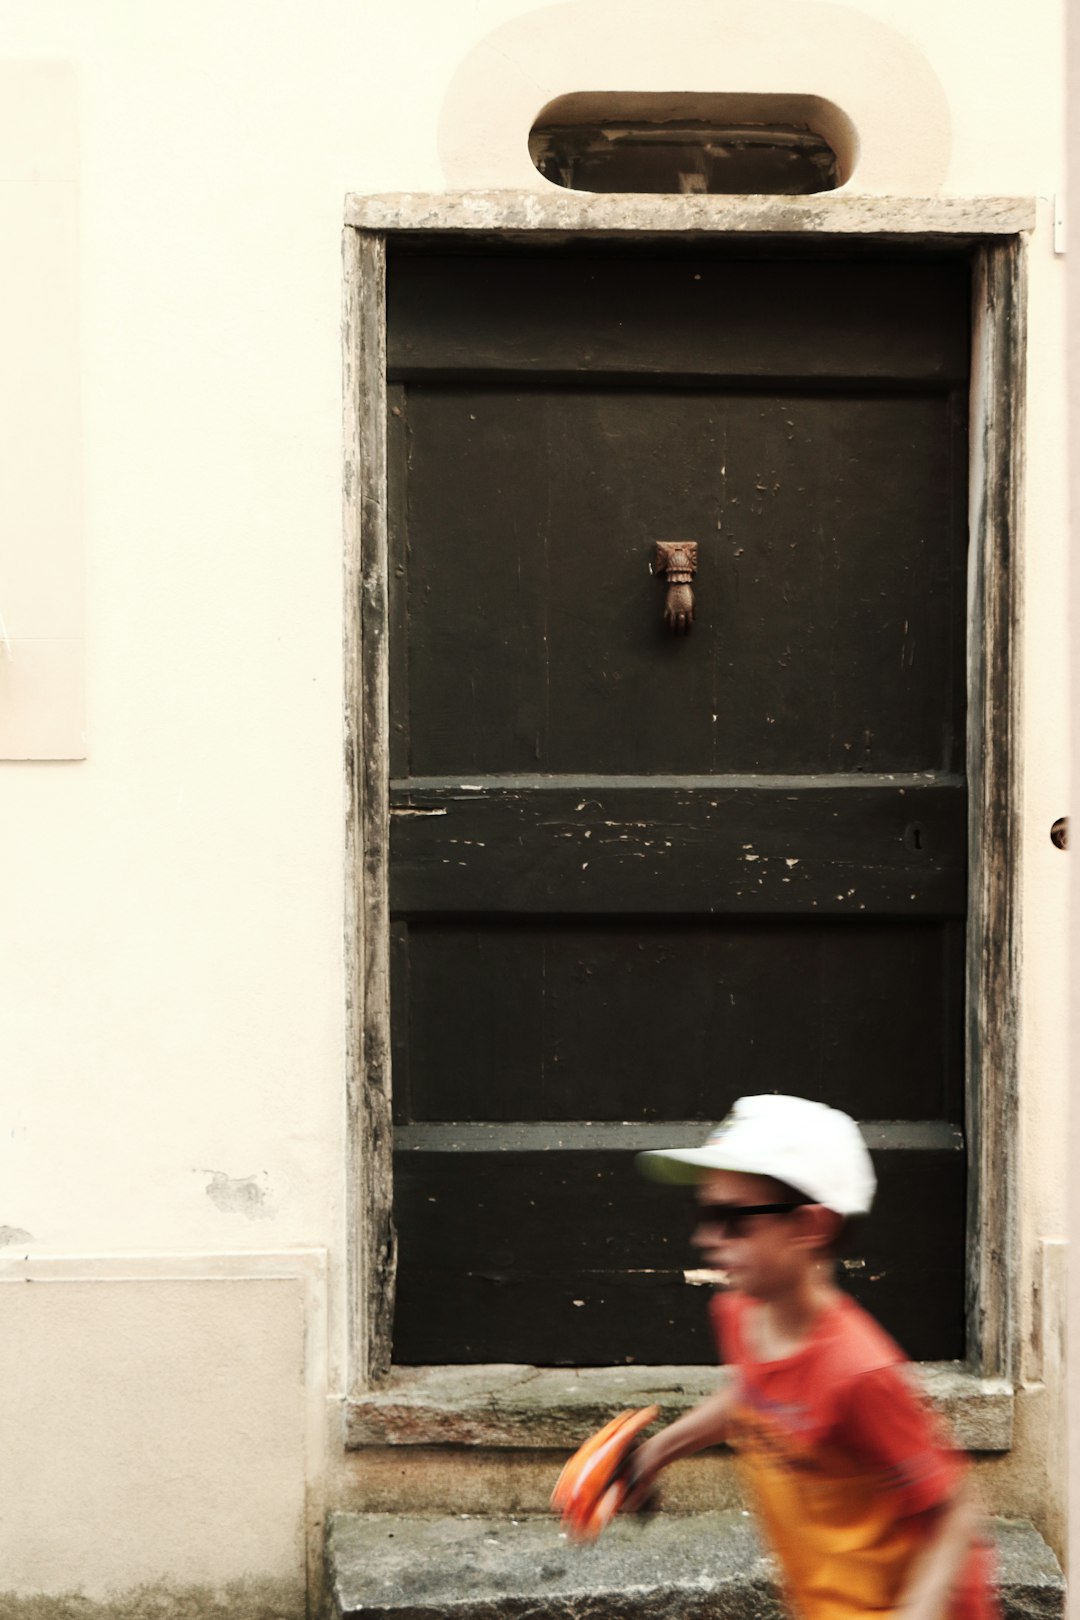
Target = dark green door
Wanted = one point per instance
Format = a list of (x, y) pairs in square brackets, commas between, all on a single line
[(634, 874)]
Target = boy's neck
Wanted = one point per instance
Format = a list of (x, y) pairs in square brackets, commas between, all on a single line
[(787, 1320)]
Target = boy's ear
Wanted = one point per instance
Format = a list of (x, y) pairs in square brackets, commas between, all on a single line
[(819, 1228)]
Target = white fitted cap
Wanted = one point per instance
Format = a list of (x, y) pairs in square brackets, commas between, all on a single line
[(816, 1149)]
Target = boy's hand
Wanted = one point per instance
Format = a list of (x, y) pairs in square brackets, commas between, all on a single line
[(640, 1472), (704, 1426)]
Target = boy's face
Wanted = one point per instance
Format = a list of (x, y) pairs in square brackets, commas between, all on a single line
[(764, 1255)]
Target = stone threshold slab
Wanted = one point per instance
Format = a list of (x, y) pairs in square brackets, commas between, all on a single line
[(553, 1408), (702, 1566), (555, 210)]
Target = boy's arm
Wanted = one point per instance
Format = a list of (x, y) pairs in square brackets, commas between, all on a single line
[(951, 1528), (892, 1429), (704, 1426)]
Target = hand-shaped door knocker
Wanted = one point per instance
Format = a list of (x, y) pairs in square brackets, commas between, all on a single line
[(677, 561)]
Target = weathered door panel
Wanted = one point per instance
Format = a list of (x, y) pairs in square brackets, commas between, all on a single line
[(536, 637), (641, 1018), (634, 875), (526, 1253)]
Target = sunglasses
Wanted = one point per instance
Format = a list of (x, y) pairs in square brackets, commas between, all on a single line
[(730, 1219)]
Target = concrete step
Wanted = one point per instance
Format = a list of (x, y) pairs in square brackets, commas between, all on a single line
[(702, 1566)]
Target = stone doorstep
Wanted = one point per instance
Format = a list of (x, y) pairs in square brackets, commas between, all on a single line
[(552, 1408), (702, 1566)]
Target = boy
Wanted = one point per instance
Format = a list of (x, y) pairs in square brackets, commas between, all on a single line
[(859, 1496)]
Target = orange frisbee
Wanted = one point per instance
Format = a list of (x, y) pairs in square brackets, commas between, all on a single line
[(590, 1491)]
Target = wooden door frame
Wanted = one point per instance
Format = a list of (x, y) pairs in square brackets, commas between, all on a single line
[(994, 230)]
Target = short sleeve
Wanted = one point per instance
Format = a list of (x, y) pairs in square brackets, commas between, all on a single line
[(889, 1427)]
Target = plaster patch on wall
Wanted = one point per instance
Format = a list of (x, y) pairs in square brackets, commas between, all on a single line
[(42, 679), (14, 1234), (241, 1195)]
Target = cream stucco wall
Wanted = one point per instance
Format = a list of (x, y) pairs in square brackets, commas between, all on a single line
[(171, 918)]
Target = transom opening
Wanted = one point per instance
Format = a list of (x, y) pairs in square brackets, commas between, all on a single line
[(687, 144)]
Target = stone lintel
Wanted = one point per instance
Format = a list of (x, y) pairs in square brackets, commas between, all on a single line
[(552, 1408), (554, 211)]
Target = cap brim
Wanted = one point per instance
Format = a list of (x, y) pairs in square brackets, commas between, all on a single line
[(682, 1167)]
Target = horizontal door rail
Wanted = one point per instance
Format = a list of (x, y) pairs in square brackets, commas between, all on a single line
[(876, 848), (486, 1136), (771, 781)]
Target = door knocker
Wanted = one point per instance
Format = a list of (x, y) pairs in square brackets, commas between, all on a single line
[(677, 561)]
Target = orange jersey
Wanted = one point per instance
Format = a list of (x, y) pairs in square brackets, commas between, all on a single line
[(842, 1457)]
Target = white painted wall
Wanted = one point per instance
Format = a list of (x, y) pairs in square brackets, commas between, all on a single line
[(1071, 1439), (171, 916)]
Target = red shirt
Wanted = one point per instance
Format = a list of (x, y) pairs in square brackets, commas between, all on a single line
[(843, 1458)]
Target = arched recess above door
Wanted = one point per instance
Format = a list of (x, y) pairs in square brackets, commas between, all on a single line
[(887, 88)]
